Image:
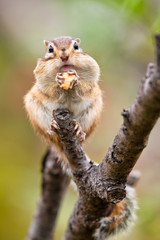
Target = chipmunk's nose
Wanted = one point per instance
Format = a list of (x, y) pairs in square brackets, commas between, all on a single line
[(64, 58)]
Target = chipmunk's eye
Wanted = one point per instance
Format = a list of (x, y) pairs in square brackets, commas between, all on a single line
[(76, 46), (51, 49)]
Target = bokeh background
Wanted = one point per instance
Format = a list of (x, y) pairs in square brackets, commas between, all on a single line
[(120, 36)]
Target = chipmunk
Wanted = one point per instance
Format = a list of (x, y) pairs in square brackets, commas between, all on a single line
[(68, 78), (65, 78)]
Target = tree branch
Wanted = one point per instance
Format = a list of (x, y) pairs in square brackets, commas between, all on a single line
[(102, 185), (54, 184), (139, 120), (99, 186)]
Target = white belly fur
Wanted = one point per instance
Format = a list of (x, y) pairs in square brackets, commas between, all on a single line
[(82, 111)]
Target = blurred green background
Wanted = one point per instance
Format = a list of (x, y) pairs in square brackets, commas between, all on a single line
[(120, 36)]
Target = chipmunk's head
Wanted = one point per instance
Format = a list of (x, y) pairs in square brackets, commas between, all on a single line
[(62, 47), (64, 53), (62, 50)]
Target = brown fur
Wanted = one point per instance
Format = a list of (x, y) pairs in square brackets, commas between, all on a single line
[(118, 210), (84, 99), (62, 42)]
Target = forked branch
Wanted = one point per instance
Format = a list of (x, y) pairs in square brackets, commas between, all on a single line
[(99, 186), (102, 185)]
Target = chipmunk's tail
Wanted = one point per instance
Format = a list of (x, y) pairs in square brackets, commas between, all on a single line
[(121, 219)]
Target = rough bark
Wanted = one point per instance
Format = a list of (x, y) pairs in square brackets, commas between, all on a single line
[(54, 184), (101, 186)]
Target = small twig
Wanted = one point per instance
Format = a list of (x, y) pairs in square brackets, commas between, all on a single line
[(53, 187)]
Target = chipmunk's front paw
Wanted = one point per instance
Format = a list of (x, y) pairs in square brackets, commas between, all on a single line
[(60, 79), (53, 128), (79, 132), (74, 77), (67, 80)]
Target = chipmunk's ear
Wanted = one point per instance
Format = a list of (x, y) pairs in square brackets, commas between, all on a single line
[(78, 40), (46, 43)]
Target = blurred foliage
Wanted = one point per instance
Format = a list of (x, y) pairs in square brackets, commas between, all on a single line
[(119, 35)]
